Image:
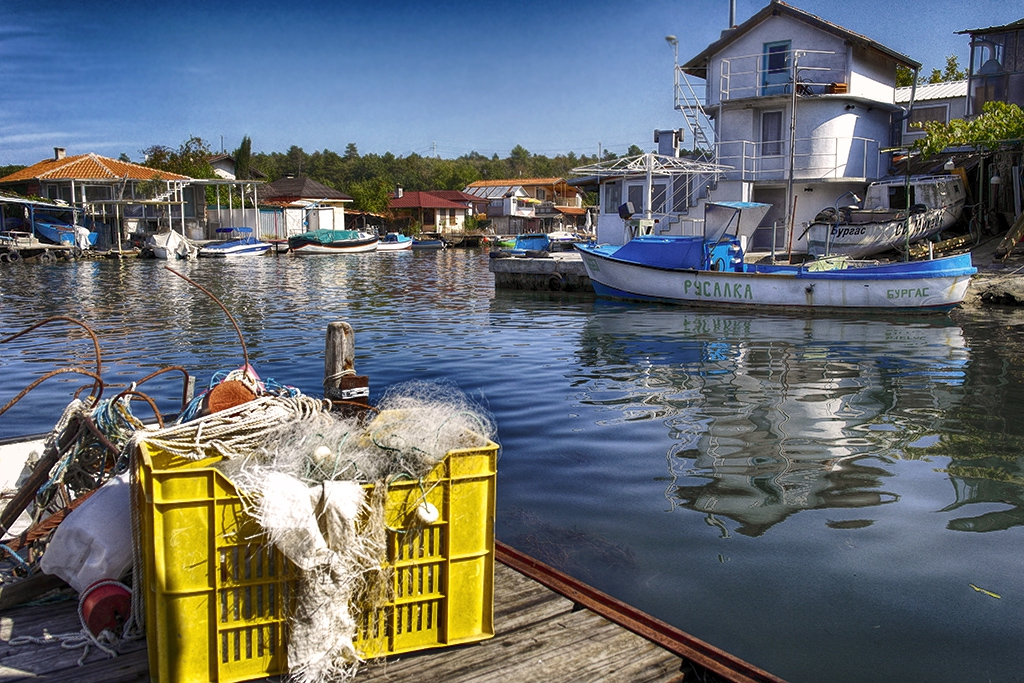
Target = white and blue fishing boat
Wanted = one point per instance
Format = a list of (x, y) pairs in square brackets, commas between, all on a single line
[(394, 241), (710, 271), (333, 242), (236, 242)]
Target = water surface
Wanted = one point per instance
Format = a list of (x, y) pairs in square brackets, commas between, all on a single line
[(815, 495)]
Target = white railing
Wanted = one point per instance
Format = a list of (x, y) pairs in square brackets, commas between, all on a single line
[(817, 72), (813, 159)]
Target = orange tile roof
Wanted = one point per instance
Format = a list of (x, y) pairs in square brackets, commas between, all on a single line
[(517, 181), (88, 167)]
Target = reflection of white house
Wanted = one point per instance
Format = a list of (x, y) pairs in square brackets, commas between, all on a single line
[(940, 102), (797, 148)]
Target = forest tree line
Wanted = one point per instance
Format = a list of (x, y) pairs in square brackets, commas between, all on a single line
[(369, 179)]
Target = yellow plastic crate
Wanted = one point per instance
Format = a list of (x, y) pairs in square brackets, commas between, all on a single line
[(218, 595)]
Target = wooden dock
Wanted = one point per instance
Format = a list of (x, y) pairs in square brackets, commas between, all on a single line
[(575, 634), (559, 272)]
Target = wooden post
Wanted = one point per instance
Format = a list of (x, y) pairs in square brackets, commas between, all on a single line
[(340, 380)]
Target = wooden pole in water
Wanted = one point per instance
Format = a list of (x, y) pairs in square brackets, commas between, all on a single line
[(340, 380)]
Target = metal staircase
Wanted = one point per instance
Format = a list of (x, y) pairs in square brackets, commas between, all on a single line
[(688, 103)]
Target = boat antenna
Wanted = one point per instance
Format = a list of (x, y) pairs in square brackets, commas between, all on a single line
[(245, 352)]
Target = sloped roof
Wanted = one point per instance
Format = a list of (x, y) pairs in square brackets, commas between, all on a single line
[(698, 66), (88, 167), (423, 200), (1015, 26), (300, 188), (933, 91)]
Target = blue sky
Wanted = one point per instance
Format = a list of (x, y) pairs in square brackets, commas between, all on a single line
[(443, 78)]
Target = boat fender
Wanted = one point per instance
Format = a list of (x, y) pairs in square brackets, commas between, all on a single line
[(13, 256), (427, 513), (555, 282), (105, 606), (5, 258)]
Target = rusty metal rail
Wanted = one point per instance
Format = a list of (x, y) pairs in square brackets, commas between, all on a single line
[(656, 631)]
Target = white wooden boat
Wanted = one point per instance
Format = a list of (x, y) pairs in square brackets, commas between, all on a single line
[(332, 242), (883, 222), (710, 271)]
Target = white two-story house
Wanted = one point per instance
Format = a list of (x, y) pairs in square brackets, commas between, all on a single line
[(803, 111)]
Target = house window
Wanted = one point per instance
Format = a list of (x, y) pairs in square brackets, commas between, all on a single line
[(541, 194), (771, 133), (96, 192), (636, 195), (612, 197), (918, 115), (775, 68)]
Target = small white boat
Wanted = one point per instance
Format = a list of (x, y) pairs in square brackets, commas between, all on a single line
[(237, 242), (882, 223), (332, 242), (170, 245), (394, 241), (710, 271)]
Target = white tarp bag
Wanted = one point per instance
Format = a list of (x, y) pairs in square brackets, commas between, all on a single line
[(94, 542)]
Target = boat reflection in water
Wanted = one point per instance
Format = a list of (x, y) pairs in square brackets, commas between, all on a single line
[(769, 416)]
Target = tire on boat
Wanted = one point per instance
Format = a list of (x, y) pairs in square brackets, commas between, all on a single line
[(826, 215), (13, 256), (47, 257), (555, 282), (5, 258)]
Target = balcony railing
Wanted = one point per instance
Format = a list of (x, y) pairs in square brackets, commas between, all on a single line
[(816, 73), (813, 159)]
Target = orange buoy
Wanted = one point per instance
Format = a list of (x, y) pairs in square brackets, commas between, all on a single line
[(227, 394), (105, 605)]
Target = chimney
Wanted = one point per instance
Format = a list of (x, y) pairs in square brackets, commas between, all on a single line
[(398, 192), (59, 153)]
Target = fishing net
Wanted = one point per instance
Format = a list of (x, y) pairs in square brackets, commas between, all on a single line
[(307, 484)]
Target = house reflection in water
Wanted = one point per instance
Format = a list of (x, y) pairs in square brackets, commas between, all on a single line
[(769, 416)]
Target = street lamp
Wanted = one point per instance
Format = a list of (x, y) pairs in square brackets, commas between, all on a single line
[(856, 199)]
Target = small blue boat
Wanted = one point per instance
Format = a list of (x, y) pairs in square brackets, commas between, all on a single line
[(529, 243), (429, 244), (394, 241), (57, 231), (236, 242)]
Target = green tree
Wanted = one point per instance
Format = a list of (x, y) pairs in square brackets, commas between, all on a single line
[(998, 123), (371, 195), (519, 161), (952, 72), (192, 158), (904, 76), (243, 159)]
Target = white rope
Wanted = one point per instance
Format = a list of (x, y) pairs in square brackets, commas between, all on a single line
[(231, 433), (106, 641)]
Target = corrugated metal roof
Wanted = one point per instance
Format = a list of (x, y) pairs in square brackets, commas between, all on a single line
[(933, 91), (513, 182), (88, 167)]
